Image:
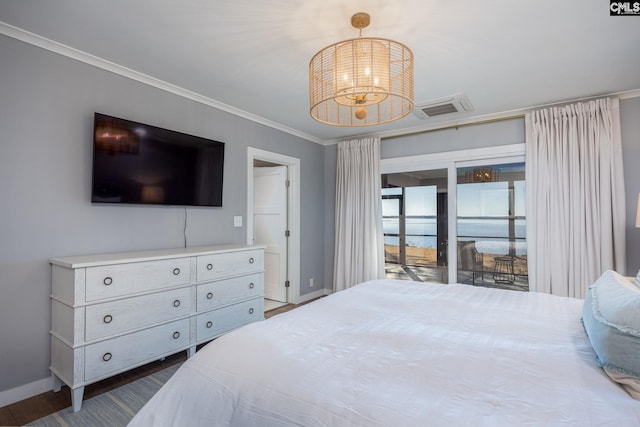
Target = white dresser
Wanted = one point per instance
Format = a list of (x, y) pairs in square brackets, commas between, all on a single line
[(113, 312)]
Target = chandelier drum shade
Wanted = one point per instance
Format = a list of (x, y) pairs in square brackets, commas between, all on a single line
[(361, 82)]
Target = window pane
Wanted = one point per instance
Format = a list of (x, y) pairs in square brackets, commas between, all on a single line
[(391, 191), (491, 226), (415, 240)]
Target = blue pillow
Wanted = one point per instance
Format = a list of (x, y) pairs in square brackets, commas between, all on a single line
[(611, 319)]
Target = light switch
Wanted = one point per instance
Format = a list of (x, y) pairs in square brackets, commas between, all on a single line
[(237, 221)]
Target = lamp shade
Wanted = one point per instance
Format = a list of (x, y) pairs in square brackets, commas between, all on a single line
[(361, 82)]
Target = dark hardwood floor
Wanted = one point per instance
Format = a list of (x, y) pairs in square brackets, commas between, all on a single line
[(36, 407)]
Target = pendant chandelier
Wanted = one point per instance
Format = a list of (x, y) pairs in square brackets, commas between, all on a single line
[(361, 82)]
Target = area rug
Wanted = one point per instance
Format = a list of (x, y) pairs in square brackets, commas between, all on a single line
[(113, 408)]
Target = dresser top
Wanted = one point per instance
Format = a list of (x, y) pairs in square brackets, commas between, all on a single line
[(148, 255)]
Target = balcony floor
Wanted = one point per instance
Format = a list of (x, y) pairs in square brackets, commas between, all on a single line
[(439, 275)]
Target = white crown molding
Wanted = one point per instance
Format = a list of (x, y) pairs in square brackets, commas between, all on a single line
[(78, 55), (629, 94)]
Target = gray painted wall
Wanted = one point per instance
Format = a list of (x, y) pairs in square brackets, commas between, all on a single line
[(463, 138), (630, 126), (46, 122)]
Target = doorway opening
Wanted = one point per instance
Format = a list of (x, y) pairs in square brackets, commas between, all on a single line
[(414, 209), (273, 221), (271, 228)]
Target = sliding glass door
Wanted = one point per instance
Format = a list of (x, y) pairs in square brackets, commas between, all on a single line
[(414, 211), (460, 211), (491, 226)]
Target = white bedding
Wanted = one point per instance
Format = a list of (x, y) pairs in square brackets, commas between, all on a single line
[(398, 353)]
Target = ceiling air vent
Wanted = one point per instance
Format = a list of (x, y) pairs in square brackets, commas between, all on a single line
[(458, 103)]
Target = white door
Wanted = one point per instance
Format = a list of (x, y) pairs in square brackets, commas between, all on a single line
[(270, 226)]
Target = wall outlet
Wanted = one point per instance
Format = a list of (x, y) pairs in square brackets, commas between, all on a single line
[(237, 221), (311, 282)]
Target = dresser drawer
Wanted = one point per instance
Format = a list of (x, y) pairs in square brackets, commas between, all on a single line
[(110, 281), (217, 322), (219, 265), (228, 291), (108, 357), (124, 315)]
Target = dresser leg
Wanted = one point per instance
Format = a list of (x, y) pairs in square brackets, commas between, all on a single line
[(57, 383), (191, 351), (76, 398)]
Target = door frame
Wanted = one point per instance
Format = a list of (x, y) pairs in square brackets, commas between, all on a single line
[(293, 212), (451, 160)]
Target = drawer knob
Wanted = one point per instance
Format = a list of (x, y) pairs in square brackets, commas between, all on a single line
[(176, 303), (209, 266), (209, 324), (251, 285), (251, 311), (106, 357), (176, 271), (251, 260), (176, 335), (209, 295), (107, 281), (107, 319)]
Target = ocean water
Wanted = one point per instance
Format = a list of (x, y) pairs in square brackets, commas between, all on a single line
[(490, 235)]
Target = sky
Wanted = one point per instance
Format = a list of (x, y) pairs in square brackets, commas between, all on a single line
[(476, 199)]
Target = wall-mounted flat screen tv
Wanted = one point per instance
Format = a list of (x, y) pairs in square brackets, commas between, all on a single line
[(134, 163)]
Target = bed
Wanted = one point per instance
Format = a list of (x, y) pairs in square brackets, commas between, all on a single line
[(400, 353)]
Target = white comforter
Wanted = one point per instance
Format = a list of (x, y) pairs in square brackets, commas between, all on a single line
[(397, 353)]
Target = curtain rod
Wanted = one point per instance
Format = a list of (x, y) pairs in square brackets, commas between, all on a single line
[(455, 126)]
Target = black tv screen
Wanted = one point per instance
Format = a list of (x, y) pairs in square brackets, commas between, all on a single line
[(136, 163)]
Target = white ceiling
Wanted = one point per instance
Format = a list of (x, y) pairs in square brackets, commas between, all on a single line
[(253, 55)]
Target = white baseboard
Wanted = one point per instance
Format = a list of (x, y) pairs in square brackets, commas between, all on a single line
[(312, 295), (25, 391)]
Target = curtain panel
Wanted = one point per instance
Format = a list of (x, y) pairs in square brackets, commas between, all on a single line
[(575, 196), (359, 240)]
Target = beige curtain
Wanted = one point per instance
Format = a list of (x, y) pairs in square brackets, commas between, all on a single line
[(575, 196), (359, 247)]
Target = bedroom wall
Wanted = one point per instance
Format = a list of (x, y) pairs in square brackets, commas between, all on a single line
[(630, 127), (46, 118), (500, 133), (463, 138)]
